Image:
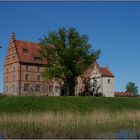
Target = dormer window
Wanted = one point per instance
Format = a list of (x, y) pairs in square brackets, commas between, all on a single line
[(25, 50), (38, 59)]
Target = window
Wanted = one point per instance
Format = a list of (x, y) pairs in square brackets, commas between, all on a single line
[(50, 89), (38, 68), (56, 89), (8, 59), (7, 78), (14, 57), (38, 88), (13, 77), (45, 88), (13, 68), (27, 67), (25, 50), (6, 70), (26, 77), (38, 59), (38, 77), (13, 89), (6, 89), (26, 87), (109, 81)]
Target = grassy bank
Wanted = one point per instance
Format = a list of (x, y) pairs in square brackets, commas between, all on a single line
[(71, 104), (67, 117), (97, 124)]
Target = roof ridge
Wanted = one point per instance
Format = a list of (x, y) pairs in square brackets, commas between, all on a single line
[(27, 42), (105, 72)]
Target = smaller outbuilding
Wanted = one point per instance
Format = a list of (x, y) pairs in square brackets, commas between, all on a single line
[(100, 81), (123, 94)]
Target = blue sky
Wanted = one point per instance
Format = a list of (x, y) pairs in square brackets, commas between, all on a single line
[(113, 27)]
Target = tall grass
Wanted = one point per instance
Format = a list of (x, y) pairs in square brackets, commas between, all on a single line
[(67, 124)]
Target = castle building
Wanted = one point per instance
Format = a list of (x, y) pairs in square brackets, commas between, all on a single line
[(23, 68)]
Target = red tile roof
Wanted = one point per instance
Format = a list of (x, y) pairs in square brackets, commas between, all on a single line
[(105, 72), (32, 53), (127, 94)]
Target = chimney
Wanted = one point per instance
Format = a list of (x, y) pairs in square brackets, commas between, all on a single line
[(13, 38)]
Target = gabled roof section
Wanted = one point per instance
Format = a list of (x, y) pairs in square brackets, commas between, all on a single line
[(29, 52), (105, 72)]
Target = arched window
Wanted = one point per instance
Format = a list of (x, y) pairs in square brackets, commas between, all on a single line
[(13, 89), (50, 88), (38, 88), (26, 87)]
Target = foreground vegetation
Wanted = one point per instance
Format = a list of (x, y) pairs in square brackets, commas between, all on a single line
[(71, 104), (97, 124), (67, 117)]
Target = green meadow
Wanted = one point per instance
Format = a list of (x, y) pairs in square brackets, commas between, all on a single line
[(70, 104)]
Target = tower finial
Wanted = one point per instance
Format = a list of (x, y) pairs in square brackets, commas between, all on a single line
[(13, 37), (106, 65)]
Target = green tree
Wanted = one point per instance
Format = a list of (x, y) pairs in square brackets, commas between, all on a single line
[(131, 87), (68, 55)]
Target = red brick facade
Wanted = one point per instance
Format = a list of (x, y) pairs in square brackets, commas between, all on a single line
[(23, 68)]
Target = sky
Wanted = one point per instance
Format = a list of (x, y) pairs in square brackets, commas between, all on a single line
[(113, 27)]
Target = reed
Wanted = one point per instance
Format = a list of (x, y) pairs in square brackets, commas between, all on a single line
[(67, 124)]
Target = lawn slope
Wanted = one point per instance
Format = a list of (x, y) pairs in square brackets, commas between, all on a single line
[(61, 104)]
